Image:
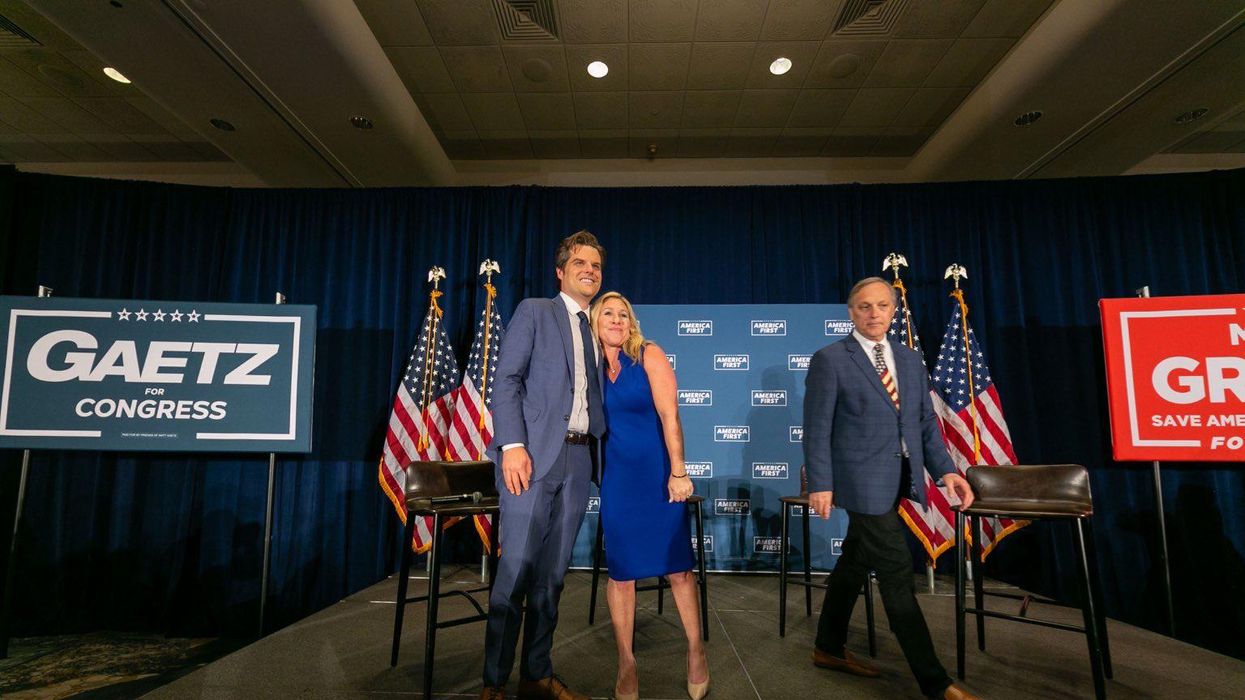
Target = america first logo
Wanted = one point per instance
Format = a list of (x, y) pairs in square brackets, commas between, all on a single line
[(594, 504), (795, 433), (732, 433), (766, 545), (730, 362), (695, 397), (839, 326), (799, 510), (707, 541), (769, 397), (769, 470), (836, 546), (699, 470), (769, 327), (732, 506), (704, 327), (672, 360), (795, 363)]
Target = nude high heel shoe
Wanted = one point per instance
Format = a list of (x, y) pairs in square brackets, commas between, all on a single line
[(697, 691)]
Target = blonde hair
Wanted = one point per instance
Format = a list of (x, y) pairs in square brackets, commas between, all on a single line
[(634, 344)]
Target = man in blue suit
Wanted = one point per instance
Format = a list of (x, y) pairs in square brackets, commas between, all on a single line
[(547, 420), (869, 431)]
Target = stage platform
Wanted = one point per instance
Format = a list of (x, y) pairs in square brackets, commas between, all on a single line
[(343, 652)]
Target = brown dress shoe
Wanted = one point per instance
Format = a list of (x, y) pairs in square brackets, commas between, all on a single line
[(955, 692), (493, 693), (847, 664), (551, 688)]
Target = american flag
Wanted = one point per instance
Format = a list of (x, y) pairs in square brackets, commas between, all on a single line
[(423, 410), (473, 421), (971, 416)]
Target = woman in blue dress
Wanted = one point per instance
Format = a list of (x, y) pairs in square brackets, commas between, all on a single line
[(643, 488)]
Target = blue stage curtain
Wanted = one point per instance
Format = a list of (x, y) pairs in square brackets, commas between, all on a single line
[(172, 543)]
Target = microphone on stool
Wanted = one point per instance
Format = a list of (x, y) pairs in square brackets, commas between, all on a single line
[(474, 497)]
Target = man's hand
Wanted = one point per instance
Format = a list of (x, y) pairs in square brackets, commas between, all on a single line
[(958, 486), (516, 469), (822, 502)]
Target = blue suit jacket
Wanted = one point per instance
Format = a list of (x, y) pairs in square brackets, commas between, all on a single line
[(532, 393), (852, 429)]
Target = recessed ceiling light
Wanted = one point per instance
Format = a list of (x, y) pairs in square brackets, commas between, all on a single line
[(598, 69), (1028, 118), (115, 75), (221, 124), (1192, 115), (361, 122), (780, 66)]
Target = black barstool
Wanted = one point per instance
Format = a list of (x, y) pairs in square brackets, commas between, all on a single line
[(694, 503), (442, 490), (1033, 492)]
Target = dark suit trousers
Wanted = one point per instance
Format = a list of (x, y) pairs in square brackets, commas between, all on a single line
[(538, 529), (877, 542)]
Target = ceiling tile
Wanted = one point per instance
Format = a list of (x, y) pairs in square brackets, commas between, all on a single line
[(446, 111), (547, 111), (600, 110), (793, 143), (460, 22), (1010, 18), (906, 62), (849, 143), (642, 142), (93, 68), (899, 141), (967, 62), (655, 110), (659, 66), (593, 21), (613, 55), (801, 53), (662, 20), (537, 68), (462, 145), (24, 149), (476, 68), (166, 148), (121, 115), (703, 143), (730, 20), (710, 108), (795, 20), (208, 152), (62, 75), (166, 119), (421, 68), (78, 150), (505, 145), (608, 143), (751, 143), (936, 18), (18, 83), (554, 144), (930, 106), (843, 64), (120, 148), (65, 113), (496, 111), (26, 120), (820, 108), (765, 108), (395, 22), (874, 107), (719, 66)]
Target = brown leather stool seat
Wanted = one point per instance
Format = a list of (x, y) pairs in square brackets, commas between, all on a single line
[(442, 490), (1033, 492)]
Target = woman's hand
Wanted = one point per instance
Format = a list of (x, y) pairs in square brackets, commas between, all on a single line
[(680, 488)]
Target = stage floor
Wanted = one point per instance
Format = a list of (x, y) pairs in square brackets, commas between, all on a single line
[(343, 652)]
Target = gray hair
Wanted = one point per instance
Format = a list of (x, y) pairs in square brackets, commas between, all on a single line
[(868, 281)]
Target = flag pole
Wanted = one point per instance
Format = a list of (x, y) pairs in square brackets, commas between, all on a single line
[(435, 275), (957, 272), (487, 268), (10, 566), (1164, 561), (272, 476)]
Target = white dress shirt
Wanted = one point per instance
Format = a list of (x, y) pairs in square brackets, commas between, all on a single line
[(888, 356)]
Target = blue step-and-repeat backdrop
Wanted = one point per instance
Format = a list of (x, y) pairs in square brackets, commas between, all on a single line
[(741, 371)]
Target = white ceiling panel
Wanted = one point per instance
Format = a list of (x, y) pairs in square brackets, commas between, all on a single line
[(476, 68), (967, 62), (16, 82), (800, 20), (820, 108), (906, 62), (930, 106), (936, 18), (63, 112), (800, 143), (642, 141), (605, 143), (849, 143), (61, 74), (662, 20), (765, 108), (730, 20), (843, 64), (460, 22), (702, 143), (719, 66), (547, 111), (505, 145), (496, 111), (554, 144), (1006, 18), (446, 111), (751, 142), (421, 68), (537, 68), (593, 21), (23, 119), (704, 109), (395, 22), (655, 110), (613, 55), (800, 53), (874, 107), (659, 66), (600, 110)]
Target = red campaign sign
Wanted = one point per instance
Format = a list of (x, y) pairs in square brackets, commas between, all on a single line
[(1176, 377)]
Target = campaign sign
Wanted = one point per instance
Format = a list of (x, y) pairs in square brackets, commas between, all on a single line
[(1176, 377), (100, 374)]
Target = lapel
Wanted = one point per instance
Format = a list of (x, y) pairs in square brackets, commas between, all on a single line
[(862, 360), (564, 325)]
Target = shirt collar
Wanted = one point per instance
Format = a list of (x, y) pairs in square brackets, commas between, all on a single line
[(572, 306), (868, 344)]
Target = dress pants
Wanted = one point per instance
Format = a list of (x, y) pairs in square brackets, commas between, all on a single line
[(877, 542), (538, 529)]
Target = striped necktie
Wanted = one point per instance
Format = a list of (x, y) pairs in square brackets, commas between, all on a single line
[(888, 382)]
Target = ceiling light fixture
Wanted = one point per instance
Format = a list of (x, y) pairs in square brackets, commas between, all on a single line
[(116, 75), (1028, 118), (780, 65), (221, 124), (598, 69), (361, 122), (1191, 115)]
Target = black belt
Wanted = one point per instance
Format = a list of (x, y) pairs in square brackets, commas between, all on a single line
[(574, 438)]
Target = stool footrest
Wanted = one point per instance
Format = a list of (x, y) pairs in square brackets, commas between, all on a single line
[(461, 621), (1026, 620), (806, 584)]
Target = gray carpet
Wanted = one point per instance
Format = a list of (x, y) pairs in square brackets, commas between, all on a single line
[(343, 651)]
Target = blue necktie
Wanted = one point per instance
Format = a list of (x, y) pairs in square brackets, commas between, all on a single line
[(596, 415)]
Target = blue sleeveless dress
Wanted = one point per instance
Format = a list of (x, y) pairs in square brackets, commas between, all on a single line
[(645, 535)]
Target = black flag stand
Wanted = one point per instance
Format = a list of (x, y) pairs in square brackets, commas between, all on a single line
[(10, 567), (272, 477)]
